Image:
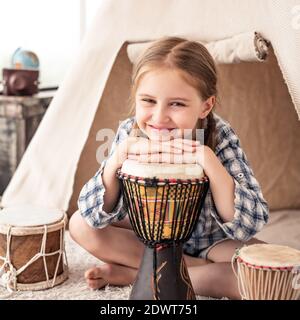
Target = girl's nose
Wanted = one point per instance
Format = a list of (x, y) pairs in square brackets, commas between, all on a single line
[(160, 115)]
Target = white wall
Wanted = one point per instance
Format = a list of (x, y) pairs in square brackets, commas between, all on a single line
[(51, 28)]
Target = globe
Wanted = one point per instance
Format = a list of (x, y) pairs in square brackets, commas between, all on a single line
[(25, 59)]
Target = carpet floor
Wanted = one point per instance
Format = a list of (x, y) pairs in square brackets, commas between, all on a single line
[(75, 288)]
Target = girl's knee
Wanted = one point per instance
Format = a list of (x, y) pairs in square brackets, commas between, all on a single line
[(254, 241), (193, 261), (76, 225), (85, 235)]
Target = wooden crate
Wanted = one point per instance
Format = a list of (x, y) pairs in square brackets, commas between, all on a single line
[(19, 119)]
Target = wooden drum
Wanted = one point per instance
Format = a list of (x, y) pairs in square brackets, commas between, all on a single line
[(32, 253), (268, 272)]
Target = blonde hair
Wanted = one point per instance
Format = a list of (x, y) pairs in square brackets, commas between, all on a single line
[(198, 69)]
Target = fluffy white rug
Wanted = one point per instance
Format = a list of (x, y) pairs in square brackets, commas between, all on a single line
[(75, 288)]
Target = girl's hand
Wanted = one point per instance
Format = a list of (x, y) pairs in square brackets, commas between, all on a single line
[(173, 151), (139, 148)]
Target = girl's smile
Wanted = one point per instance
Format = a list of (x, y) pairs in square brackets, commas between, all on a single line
[(157, 132), (158, 127)]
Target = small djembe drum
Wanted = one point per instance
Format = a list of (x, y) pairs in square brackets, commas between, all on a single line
[(267, 272), (32, 252), (163, 202)]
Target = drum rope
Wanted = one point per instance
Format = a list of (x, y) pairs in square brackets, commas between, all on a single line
[(154, 273), (240, 283), (8, 274), (43, 251), (61, 253), (133, 218)]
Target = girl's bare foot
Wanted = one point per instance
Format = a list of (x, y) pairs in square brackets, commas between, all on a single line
[(108, 273)]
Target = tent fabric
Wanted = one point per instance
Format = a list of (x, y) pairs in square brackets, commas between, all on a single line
[(248, 46), (46, 174)]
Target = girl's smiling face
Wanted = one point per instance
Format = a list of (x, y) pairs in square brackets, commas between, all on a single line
[(165, 101)]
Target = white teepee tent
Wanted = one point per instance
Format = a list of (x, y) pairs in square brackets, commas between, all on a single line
[(258, 98)]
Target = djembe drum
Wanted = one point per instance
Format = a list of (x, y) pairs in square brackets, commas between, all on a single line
[(163, 203), (267, 272)]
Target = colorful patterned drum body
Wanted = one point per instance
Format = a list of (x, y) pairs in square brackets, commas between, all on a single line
[(168, 209)]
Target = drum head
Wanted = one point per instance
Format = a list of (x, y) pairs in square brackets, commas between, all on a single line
[(162, 170), (29, 216), (270, 255)]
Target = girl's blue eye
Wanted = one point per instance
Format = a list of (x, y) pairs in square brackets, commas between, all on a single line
[(179, 104), (148, 100)]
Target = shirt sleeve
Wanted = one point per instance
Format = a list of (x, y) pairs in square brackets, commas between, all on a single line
[(251, 209), (91, 197)]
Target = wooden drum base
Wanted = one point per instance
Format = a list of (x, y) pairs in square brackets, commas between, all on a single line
[(171, 281)]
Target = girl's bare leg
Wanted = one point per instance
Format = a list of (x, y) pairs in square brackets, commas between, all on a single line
[(217, 279), (118, 246), (223, 251)]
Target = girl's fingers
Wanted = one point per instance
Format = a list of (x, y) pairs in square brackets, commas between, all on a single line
[(133, 156), (177, 146), (166, 158), (180, 145), (145, 147), (186, 141)]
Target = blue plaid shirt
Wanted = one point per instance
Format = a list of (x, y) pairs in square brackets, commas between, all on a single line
[(251, 209)]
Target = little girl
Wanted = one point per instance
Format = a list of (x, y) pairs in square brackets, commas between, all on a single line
[(174, 87)]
